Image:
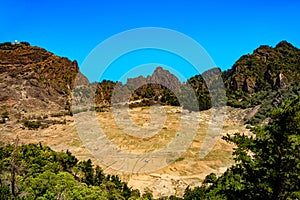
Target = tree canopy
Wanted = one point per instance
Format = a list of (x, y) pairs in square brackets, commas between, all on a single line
[(267, 164)]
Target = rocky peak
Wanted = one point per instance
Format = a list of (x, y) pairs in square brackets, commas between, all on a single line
[(164, 78), (263, 53), (160, 77), (284, 45)]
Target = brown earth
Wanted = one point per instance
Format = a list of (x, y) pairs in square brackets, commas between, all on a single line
[(186, 170)]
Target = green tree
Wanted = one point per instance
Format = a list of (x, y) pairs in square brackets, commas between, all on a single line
[(147, 194), (99, 176), (88, 171), (67, 160), (270, 161), (267, 163)]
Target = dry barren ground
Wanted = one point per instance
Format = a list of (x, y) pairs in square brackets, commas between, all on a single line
[(187, 169)]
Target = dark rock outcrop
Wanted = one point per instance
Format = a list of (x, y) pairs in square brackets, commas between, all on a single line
[(280, 81)]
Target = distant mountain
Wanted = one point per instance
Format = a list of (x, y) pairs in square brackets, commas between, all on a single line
[(143, 91)]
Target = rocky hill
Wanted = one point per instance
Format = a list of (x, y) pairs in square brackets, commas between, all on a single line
[(266, 69), (35, 82), (261, 80), (264, 79)]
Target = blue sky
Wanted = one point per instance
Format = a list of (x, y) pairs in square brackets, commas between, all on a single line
[(226, 29)]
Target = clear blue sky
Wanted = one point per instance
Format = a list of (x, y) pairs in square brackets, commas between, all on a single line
[(226, 29)]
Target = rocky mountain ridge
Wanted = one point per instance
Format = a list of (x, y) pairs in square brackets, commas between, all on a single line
[(35, 82)]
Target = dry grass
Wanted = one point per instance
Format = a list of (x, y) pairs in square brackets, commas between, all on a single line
[(187, 169)]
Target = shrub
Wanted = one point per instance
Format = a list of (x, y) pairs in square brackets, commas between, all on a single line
[(32, 124)]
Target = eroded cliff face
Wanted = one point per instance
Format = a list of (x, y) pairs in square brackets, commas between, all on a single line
[(34, 81)]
